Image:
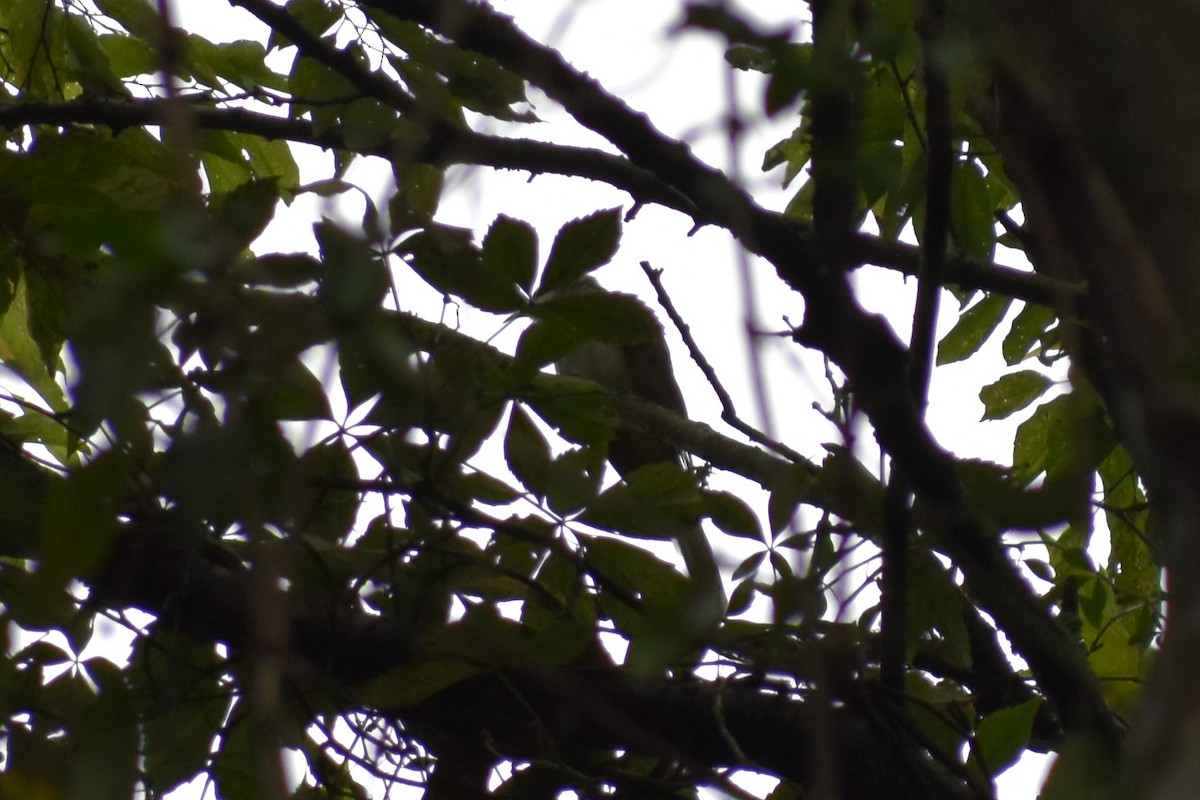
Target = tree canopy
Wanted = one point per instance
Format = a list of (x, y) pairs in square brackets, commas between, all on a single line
[(370, 537)]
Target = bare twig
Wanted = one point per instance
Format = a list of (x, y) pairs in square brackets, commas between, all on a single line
[(728, 413)]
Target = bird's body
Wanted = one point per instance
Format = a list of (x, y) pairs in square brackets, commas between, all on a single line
[(643, 369)]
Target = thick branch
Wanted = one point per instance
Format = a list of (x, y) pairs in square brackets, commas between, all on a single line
[(698, 725), (448, 145)]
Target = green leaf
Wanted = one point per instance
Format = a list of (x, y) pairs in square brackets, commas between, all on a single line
[(847, 488), (795, 600), (972, 212), (750, 58), (334, 777), (602, 316), (749, 566), (486, 87), (247, 210), (581, 410), (279, 270), (202, 56), (742, 597), (527, 452), (1095, 597), (657, 630), (355, 278), (637, 571), (136, 16), (1012, 393), (532, 780), (236, 765), (564, 636), (91, 67), (455, 391), (243, 63), (367, 124), (880, 159), (41, 428), (315, 16), (35, 603), (212, 471), (468, 396), (225, 165), (510, 250), (1131, 563), (272, 160), (32, 48), (319, 91), (408, 685), (475, 80), (23, 355), (1039, 568), (581, 246), (731, 514), (293, 393), (787, 491), (450, 262), (1066, 437), (973, 328), (1008, 506), (326, 505), (905, 201), (660, 501), (418, 192), (1027, 329), (881, 168), (935, 604), (87, 500), (1084, 768), (891, 34), (1003, 736), (791, 76), (429, 88), (574, 480), (128, 57), (105, 740), (793, 151), (561, 578), (484, 488), (542, 343), (800, 207)]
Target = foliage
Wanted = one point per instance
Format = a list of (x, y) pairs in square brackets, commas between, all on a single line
[(387, 601)]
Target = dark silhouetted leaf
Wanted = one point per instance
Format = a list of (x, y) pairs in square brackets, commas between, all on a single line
[(581, 246)]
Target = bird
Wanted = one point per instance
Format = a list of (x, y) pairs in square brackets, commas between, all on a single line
[(643, 369)]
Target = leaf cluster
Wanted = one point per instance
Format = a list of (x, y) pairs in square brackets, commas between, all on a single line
[(331, 510)]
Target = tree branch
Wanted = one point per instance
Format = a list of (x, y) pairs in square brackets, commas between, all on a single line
[(448, 145)]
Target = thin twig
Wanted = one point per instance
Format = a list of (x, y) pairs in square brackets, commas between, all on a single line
[(728, 413)]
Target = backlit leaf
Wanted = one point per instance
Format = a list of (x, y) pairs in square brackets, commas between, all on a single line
[(1012, 393), (973, 328), (581, 246)]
